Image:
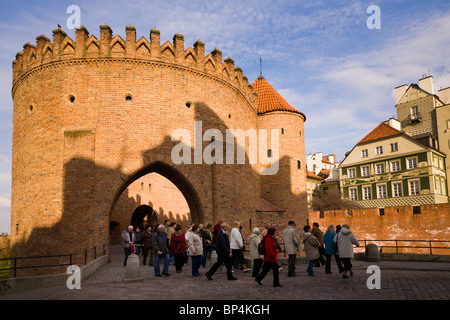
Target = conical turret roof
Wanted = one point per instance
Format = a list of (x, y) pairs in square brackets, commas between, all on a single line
[(269, 99)]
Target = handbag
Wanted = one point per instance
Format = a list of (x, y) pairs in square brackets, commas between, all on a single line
[(335, 247)]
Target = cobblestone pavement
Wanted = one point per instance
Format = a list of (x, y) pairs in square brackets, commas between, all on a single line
[(399, 281)]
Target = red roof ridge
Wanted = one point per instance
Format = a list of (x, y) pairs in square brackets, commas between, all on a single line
[(383, 130)]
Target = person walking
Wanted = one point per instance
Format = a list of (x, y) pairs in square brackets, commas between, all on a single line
[(178, 245), (146, 240), (328, 240), (292, 245), (161, 249), (128, 239), (311, 245), (207, 238), (319, 235), (170, 230), (223, 253), (345, 241), (195, 250), (237, 245), (254, 241), (270, 259)]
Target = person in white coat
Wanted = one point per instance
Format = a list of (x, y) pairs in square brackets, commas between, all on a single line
[(237, 246), (195, 249), (345, 241)]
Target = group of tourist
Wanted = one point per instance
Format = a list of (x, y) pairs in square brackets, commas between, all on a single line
[(170, 244)]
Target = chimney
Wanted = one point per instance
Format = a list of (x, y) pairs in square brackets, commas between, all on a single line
[(394, 123), (427, 84), (400, 92), (444, 95)]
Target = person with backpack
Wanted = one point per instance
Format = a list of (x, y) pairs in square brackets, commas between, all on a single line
[(254, 242), (269, 246), (311, 245)]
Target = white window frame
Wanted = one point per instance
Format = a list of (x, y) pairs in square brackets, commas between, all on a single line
[(417, 192), (350, 194), (384, 195), (364, 193), (379, 150), (437, 185), (363, 173), (394, 144), (364, 153), (399, 165), (408, 163), (348, 173), (394, 195), (376, 168)]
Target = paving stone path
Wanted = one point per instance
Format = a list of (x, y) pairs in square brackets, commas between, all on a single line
[(399, 281)]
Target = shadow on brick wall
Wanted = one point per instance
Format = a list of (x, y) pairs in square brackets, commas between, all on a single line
[(90, 192)]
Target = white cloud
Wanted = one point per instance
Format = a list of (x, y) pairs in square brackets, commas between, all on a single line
[(5, 201)]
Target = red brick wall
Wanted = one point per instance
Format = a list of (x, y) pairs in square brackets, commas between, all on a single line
[(398, 223)]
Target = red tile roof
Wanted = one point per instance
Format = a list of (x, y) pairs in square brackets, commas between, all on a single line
[(266, 206), (310, 174), (269, 99), (381, 131)]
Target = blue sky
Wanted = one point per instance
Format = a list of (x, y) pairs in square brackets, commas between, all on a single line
[(319, 55)]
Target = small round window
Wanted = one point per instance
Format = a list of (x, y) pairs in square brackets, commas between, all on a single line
[(128, 98), (72, 98)]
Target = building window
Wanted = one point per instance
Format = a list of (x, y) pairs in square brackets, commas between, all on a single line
[(397, 189), (379, 150), (269, 153), (381, 211), (325, 190), (437, 185), (441, 163), (394, 146), (412, 163), (365, 171), (414, 188), (414, 112), (416, 210), (364, 153), (435, 162), (353, 194), (352, 173), (395, 166), (299, 164), (381, 191), (367, 195), (379, 168), (282, 130)]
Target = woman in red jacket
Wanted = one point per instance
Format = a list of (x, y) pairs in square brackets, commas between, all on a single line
[(270, 259), (178, 244)]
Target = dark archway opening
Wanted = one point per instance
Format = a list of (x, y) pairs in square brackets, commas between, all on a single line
[(146, 210), (141, 214)]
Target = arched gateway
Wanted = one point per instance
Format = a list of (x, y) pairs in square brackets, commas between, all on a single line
[(93, 115)]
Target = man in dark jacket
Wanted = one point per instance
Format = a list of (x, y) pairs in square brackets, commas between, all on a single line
[(161, 249), (146, 240), (223, 253), (319, 235)]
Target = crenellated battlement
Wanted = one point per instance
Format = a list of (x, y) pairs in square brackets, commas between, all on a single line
[(87, 47)]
